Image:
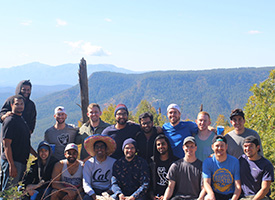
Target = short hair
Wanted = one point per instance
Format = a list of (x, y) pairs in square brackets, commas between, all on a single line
[(145, 115), (204, 113), (237, 112), (101, 142), (93, 105), (18, 96), (27, 82)]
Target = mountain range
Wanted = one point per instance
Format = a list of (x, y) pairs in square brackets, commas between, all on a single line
[(219, 90), (42, 74)]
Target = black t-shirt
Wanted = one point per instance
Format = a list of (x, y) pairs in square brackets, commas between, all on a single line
[(161, 169), (15, 128)]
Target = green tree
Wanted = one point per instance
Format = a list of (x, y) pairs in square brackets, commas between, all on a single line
[(108, 114), (109, 117), (260, 112), (145, 106), (221, 121)]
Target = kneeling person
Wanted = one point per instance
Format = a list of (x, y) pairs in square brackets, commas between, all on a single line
[(221, 173), (39, 176), (257, 172), (185, 174), (130, 178), (67, 176), (97, 172)]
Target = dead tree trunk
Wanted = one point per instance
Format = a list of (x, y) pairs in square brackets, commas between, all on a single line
[(84, 91)]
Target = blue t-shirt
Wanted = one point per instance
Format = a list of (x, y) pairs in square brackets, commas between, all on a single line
[(222, 174), (176, 135)]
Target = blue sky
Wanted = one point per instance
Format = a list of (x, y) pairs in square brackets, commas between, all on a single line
[(139, 35)]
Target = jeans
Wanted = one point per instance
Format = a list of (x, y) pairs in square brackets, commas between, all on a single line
[(7, 180)]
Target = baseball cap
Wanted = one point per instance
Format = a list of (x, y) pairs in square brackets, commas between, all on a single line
[(189, 139), (173, 105), (219, 138), (237, 112), (59, 109), (71, 146)]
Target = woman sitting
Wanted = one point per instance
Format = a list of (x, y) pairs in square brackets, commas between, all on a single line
[(38, 178)]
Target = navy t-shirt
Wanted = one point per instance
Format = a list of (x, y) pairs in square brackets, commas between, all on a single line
[(119, 135)]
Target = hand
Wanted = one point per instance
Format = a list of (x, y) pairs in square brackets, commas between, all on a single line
[(12, 171), (9, 113), (121, 197), (130, 198), (210, 197), (93, 196), (70, 195), (30, 190), (159, 198)]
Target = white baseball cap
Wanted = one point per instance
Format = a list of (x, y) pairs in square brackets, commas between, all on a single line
[(173, 105), (59, 109)]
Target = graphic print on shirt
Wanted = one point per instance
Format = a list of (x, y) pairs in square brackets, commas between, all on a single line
[(63, 138), (163, 181), (74, 181), (222, 180), (99, 176)]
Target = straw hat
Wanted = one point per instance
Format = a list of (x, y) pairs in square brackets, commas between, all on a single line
[(89, 144)]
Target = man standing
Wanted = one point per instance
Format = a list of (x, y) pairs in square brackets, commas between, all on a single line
[(67, 176), (121, 130), (204, 137), (97, 172), (257, 172), (185, 174), (130, 178), (94, 126), (146, 136), (16, 144), (61, 133), (162, 159), (29, 114), (177, 130), (221, 173), (235, 138)]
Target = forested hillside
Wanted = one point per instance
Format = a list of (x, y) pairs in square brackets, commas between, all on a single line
[(219, 91)]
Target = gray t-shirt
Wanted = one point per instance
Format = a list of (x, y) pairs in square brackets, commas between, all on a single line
[(60, 138), (187, 177), (235, 142)]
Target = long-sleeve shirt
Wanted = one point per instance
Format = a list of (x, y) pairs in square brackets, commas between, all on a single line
[(97, 175), (130, 178)]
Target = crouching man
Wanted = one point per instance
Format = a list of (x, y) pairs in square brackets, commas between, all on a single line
[(131, 177), (97, 172), (257, 172), (67, 176)]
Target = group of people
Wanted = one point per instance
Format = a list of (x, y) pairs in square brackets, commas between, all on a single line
[(127, 161)]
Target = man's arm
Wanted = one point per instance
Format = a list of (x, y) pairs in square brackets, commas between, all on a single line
[(87, 180), (5, 110), (207, 186), (169, 190), (265, 186), (237, 191), (56, 176), (8, 153)]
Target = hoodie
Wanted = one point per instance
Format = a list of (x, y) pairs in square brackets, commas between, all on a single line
[(39, 172), (29, 113)]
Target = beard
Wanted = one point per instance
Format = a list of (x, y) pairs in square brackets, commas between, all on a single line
[(71, 160), (122, 121), (60, 121)]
